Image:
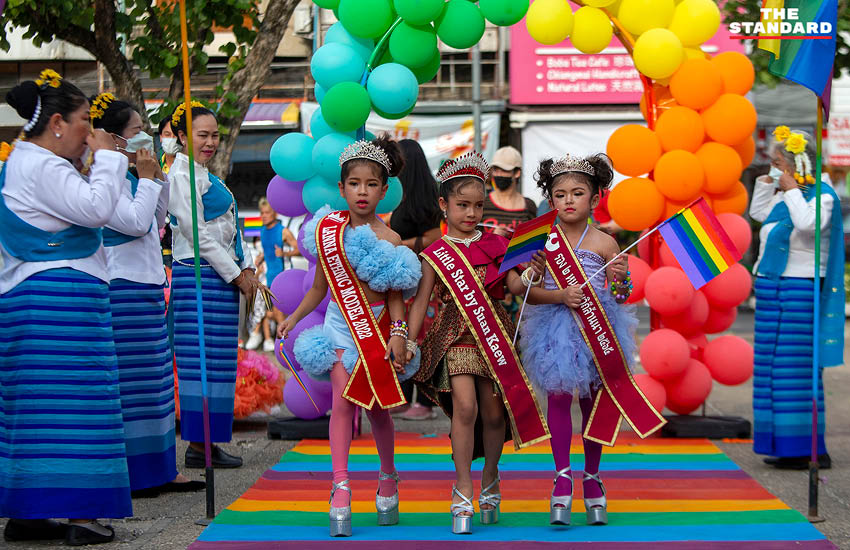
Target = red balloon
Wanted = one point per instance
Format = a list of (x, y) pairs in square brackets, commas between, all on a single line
[(640, 271), (730, 288), (688, 391), (719, 320), (643, 247), (729, 358), (669, 291), (653, 390), (697, 343), (690, 321), (738, 230), (664, 353), (666, 256)]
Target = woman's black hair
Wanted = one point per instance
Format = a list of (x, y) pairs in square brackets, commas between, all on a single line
[(453, 185), (600, 181), (166, 121), (181, 125), (64, 99), (393, 151), (419, 206), (115, 117)]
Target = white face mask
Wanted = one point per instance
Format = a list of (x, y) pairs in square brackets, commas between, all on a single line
[(775, 173), (170, 146), (140, 141)]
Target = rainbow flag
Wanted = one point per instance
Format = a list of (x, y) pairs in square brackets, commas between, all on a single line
[(294, 372), (803, 58), (529, 237), (699, 243), (251, 226)]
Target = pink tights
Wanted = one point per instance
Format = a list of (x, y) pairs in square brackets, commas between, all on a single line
[(342, 419), (561, 428)]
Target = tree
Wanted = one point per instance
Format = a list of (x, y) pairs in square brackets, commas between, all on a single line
[(748, 11), (149, 32)]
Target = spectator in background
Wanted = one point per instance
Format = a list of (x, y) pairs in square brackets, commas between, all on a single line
[(505, 207), (168, 142)]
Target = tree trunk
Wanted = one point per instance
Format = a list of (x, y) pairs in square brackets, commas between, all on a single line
[(247, 82)]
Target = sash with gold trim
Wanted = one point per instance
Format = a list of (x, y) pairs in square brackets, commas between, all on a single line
[(622, 398), (373, 377), (527, 424)]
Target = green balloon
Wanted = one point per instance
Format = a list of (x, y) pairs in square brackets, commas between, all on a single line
[(427, 72), (346, 106), (327, 4), (413, 46), (392, 116), (366, 18), (503, 12), (461, 24), (419, 12)]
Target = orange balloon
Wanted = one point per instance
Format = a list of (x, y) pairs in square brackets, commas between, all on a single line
[(730, 120), (697, 84), (735, 200), (680, 128), (746, 150), (722, 167), (736, 70), (679, 175), (671, 208), (633, 149), (635, 203), (663, 101)]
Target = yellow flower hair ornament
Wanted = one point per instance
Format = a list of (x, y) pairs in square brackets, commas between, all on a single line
[(5, 150), (49, 77), (181, 110), (100, 105), (781, 133)]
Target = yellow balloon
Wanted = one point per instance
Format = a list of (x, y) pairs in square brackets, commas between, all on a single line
[(598, 3), (695, 21), (658, 53), (549, 21), (638, 16), (695, 53), (592, 31)]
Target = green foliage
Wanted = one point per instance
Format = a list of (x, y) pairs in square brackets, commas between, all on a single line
[(748, 10)]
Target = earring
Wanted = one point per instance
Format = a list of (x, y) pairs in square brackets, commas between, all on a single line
[(444, 213), (58, 135)]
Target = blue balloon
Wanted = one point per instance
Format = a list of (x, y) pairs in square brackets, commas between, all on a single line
[(334, 63), (338, 34), (393, 88), (319, 127), (393, 197), (319, 92), (326, 155), (319, 192), (291, 156)]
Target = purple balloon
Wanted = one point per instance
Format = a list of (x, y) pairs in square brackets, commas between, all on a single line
[(289, 354), (298, 402), (311, 320), (285, 197), (308, 283), (287, 289), (301, 247)]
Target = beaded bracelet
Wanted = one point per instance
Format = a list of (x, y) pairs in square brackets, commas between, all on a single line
[(400, 324), (617, 288)]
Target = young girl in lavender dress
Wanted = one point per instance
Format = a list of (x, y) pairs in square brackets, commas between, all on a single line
[(555, 355)]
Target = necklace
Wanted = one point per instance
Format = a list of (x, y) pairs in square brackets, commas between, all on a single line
[(467, 241)]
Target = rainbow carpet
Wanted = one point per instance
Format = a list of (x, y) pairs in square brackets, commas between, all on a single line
[(663, 493)]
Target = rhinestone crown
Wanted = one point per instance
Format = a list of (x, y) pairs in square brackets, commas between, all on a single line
[(471, 164), (365, 150), (570, 163)]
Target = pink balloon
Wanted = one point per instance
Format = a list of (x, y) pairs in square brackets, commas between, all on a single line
[(640, 271), (308, 283), (738, 230), (301, 248), (719, 320), (697, 344), (688, 391), (730, 288), (664, 354), (653, 390), (729, 358), (669, 291), (690, 321), (284, 197), (666, 256), (286, 288), (298, 402)]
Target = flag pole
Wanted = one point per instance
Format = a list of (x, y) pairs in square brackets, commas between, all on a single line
[(209, 474), (634, 244)]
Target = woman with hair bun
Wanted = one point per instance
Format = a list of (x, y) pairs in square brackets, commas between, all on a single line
[(227, 269), (57, 356)]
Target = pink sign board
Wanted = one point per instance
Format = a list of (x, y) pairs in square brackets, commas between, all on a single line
[(560, 74)]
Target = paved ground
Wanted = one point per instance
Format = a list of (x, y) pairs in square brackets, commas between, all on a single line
[(169, 522)]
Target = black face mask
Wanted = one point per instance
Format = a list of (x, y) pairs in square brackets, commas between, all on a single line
[(502, 182)]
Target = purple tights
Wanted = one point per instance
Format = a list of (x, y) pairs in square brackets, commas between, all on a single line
[(561, 428)]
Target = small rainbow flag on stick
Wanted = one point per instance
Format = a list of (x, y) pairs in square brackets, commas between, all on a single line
[(529, 237), (294, 372), (699, 243)]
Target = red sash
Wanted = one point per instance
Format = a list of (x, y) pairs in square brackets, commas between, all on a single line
[(373, 377), (622, 397), (526, 418)]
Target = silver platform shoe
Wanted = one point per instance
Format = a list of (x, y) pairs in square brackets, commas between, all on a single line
[(493, 499), (597, 508), (461, 525), (387, 507), (340, 518), (560, 507)]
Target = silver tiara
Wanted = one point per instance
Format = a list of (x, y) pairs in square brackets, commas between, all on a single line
[(365, 150), (572, 164), (471, 164)]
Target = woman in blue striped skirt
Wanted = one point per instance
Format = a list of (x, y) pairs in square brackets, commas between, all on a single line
[(136, 280), (61, 431), (226, 269), (784, 202)]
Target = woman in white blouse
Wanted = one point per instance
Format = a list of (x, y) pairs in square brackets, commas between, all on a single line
[(784, 201), (226, 269)]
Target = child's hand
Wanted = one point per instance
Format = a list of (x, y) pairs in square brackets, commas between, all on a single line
[(538, 263), (284, 328), (572, 296), (397, 347), (619, 268)]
